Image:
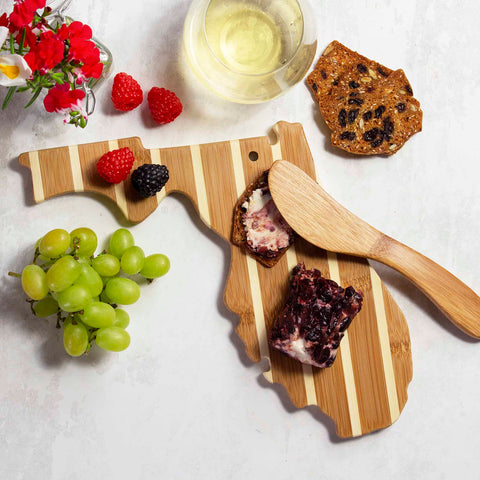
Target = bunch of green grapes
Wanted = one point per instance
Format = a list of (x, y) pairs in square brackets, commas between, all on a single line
[(83, 290)]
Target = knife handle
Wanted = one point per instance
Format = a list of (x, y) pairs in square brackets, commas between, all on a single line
[(456, 300)]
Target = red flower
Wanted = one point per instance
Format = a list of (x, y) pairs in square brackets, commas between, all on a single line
[(75, 30), (61, 99), (92, 70), (46, 54), (4, 20), (82, 50), (23, 13)]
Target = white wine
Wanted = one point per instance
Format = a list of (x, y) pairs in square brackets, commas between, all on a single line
[(244, 38), (249, 51)]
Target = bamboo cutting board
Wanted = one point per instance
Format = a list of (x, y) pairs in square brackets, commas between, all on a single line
[(366, 388)]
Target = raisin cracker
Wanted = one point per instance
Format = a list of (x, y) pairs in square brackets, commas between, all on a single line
[(340, 67), (351, 99), (377, 122), (369, 108)]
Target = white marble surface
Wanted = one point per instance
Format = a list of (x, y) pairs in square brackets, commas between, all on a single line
[(184, 402)]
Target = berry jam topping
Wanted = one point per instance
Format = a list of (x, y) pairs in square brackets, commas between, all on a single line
[(314, 318), (267, 231)]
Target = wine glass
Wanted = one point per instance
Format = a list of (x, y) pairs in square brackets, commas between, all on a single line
[(249, 51)]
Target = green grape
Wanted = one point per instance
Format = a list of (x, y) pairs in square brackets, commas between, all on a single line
[(45, 307), (63, 273), (83, 260), (113, 339), (34, 283), (74, 298), (132, 260), (106, 265), (120, 240), (122, 290), (77, 317), (91, 279), (122, 318), (104, 297), (98, 314), (83, 241), (96, 299), (155, 266), (75, 338), (54, 243), (43, 258), (40, 257)]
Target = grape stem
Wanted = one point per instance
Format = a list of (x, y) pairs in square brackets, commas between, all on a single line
[(48, 264), (32, 302), (59, 319), (14, 274)]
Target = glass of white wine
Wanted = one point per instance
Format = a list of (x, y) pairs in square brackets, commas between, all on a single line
[(249, 51)]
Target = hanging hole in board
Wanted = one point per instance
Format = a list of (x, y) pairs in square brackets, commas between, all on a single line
[(253, 156)]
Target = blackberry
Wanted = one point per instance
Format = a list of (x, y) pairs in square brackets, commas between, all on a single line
[(149, 179)]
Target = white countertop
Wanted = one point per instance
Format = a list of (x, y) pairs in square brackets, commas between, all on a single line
[(184, 401)]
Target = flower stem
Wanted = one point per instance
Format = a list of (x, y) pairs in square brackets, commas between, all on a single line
[(22, 41), (8, 97), (12, 46)]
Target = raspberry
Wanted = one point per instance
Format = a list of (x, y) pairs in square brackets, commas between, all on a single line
[(149, 179), (126, 92), (115, 165), (164, 105)]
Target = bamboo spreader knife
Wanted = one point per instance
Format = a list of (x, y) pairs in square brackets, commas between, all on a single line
[(322, 221)]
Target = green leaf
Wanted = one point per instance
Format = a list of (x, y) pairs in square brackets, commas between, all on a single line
[(58, 78), (46, 82), (23, 89), (36, 93), (8, 97)]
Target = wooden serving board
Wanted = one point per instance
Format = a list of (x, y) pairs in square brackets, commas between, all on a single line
[(366, 388)]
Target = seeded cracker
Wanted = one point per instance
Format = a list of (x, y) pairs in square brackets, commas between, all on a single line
[(339, 66), (352, 99), (379, 122), (368, 112)]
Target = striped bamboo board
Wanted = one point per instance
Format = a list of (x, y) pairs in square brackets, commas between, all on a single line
[(366, 388)]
